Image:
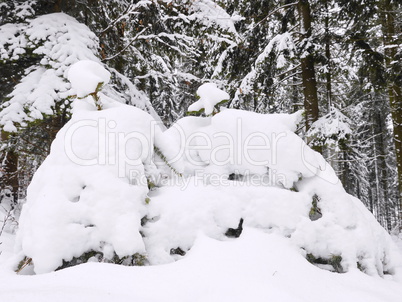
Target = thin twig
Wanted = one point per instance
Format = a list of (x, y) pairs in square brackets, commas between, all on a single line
[(6, 218), (273, 12), (127, 46)]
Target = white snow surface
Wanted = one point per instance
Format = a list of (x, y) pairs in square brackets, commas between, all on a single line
[(237, 141), (255, 267), (85, 76), (179, 213)]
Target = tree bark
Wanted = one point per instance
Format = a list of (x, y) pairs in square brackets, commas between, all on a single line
[(391, 35), (307, 66)]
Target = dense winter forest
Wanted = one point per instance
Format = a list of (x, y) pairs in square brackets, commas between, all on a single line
[(338, 60)]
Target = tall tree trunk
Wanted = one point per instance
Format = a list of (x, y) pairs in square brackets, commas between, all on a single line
[(63, 5), (307, 66), (328, 79), (391, 35), (385, 204), (332, 156)]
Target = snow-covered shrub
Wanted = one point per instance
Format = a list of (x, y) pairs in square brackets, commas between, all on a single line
[(90, 82), (87, 199), (244, 169), (237, 170)]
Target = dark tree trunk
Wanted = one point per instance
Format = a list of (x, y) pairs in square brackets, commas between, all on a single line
[(307, 66), (394, 69)]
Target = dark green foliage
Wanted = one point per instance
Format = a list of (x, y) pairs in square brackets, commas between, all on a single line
[(201, 112), (150, 184), (133, 260), (294, 189), (163, 157), (335, 261), (95, 96), (12, 72), (196, 113), (315, 211), (360, 267), (147, 200)]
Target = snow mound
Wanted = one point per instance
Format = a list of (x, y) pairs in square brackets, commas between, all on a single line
[(241, 142), (243, 168), (210, 95), (233, 170), (213, 205), (86, 195)]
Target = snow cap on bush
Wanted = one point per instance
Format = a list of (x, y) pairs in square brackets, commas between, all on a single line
[(86, 75), (210, 95)]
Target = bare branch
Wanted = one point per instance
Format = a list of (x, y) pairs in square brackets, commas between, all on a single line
[(127, 46), (273, 12)]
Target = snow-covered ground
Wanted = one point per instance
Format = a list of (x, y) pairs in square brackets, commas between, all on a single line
[(255, 267)]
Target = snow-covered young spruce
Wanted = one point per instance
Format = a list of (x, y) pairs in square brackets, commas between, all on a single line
[(115, 188)]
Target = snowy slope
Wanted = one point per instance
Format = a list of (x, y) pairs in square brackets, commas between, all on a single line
[(255, 267)]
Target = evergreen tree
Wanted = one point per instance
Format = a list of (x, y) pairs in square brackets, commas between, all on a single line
[(36, 53)]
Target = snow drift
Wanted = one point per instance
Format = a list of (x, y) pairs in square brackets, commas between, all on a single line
[(255, 267)]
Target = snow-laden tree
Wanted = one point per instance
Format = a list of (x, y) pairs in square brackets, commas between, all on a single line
[(255, 67), (332, 131), (368, 38), (58, 41)]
